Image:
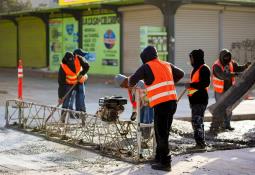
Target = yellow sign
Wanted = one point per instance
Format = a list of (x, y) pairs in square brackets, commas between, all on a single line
[(71, 2)]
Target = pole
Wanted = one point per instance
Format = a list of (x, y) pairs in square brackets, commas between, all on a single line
[(138, 132), (68, 92), (20, 80), (181, 94)]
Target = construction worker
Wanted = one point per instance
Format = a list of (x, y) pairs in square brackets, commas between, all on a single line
[(79, 53), (72, 72), (224, 72), (159, 78), (198, 94), (146, 113)]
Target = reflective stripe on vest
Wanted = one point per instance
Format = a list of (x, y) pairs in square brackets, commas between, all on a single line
[(218, 84), (71, 77), (162, 89), (194, 79)]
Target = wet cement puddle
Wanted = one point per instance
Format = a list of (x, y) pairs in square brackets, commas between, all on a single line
[(182, 141)]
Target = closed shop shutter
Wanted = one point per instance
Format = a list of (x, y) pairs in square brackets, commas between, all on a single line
[(8, 44), (133, 18), (239, 33), (32, 42), (196, 27)]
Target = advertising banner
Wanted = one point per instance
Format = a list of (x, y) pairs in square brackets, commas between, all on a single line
[(63, 33), (155, 36), (72, 2), (101, 38)]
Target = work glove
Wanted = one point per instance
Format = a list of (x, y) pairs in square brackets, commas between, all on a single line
[(60, 101), (124, 84), (247, 64), (82, 78)]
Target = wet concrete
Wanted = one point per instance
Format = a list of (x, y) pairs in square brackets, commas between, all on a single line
[(45, 157), (181, 139)]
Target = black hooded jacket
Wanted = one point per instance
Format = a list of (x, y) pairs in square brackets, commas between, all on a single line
[(226, 75), (70, 64), (201, 96), (144, 72)]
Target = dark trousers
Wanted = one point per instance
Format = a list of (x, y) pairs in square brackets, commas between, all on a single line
[(163, 117), (198, 111)]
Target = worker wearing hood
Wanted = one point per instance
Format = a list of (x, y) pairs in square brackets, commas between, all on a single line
[(160, 78), (72, 72), (225, 69), (198, 95)]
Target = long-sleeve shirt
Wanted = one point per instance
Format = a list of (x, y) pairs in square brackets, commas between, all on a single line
[(62, 75), (144, 72), (226, 75), (201, 96)]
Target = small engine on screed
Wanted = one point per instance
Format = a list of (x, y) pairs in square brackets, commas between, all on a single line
[(111, 107)]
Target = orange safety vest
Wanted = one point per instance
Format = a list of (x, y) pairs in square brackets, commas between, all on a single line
[(194, 79), (71, 77), (162, 89), (218, 84)]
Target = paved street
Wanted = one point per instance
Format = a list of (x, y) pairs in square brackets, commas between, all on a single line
[(45, 157)]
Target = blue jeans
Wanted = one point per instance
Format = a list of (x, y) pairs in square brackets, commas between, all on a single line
[(146, 115), (77, 95)]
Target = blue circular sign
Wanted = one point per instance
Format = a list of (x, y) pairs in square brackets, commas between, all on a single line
[(109, 39)]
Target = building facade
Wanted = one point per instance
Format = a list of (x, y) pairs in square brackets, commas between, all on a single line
[(112, 33)]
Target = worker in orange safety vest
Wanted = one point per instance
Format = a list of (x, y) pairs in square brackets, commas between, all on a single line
[(198, 94), (72, 72), (225, 69), (159, 78)]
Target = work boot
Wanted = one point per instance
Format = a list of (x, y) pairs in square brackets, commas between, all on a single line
[(133, 116), (230, 128), (200, 145), (162, 167)]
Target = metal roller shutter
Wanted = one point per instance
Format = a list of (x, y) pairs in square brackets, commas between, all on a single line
[(133, 18), (195, 28), (239, 34), (8, 44), (32, 42)]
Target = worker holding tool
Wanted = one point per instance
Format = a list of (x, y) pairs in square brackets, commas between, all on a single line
[(159, 78), (146, 112), (72, 74), (198, 94), (78, 53), (224, 72)]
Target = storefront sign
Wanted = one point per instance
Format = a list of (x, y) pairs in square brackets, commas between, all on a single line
[(155, 36), (101, 37), (71, 2), (63, 37)]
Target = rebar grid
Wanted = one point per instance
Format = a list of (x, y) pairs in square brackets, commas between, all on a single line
[(120, 139)]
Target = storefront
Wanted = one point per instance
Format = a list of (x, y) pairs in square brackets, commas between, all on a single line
[(134, 18), (32, 42), (8, 44), (114, 35)]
